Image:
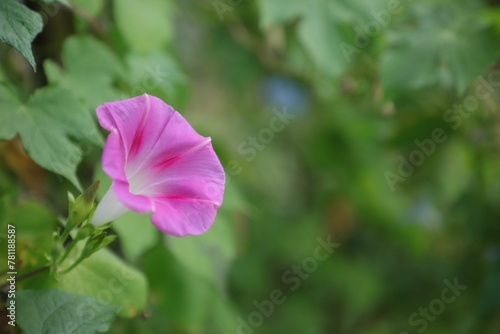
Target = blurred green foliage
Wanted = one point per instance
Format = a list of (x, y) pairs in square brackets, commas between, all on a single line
[(372, 123)]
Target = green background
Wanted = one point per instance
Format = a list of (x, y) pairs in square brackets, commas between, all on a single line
[(374, 123)]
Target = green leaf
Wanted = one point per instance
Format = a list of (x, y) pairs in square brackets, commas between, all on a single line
[(45, 123), (93, 7), (19, 26), (57, 311), (90, 70), (34, 225), (280, 11), (104, 276), (208, 255), (324, 28), (440, 43), (155, 29), (317, 30), (454, 171), (52, 1), (187, 300), (158, 74), (136, 234), (321, 37)]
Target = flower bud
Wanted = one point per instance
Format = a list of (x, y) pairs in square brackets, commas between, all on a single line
[(83, 205)]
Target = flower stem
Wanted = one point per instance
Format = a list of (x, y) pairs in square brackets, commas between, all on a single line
[(27, 275), (67, 270), (67, 251)]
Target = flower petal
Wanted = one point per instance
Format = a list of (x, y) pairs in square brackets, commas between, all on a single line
[(159, 164), (113, 157), (138, 203), (181, 217), (164, 134), (125, 117), (196, 175)]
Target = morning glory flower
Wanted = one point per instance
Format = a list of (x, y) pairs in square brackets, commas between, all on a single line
[(159, 164)]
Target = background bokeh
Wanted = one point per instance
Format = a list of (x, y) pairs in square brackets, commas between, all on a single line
[(370, 124)]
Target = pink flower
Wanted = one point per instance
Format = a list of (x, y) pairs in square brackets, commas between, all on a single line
[(158, 164)]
